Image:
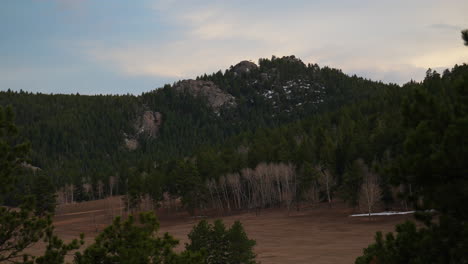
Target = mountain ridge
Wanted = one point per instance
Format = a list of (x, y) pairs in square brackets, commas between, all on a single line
[(93, 134)]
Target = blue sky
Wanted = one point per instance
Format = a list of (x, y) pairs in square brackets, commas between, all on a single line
[(117, 46)]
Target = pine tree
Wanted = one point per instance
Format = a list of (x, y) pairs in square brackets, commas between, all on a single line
[(131, 241), (240, 246), (21, 228), (220, 246), (44, 194), (352, 181), (465, 36), (434, 158)]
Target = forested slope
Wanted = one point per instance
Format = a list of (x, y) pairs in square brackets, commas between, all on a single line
[(76, 136), (328, 132)]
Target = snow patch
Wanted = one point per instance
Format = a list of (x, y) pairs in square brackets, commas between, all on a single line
[(385, 213)]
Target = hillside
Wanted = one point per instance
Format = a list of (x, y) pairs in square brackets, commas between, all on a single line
[(92, 136), (275, 134), (255, 138)]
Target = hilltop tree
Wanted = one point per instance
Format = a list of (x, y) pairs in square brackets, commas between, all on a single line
[(465, 36)]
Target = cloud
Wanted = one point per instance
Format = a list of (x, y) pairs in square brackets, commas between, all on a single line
[(443, 58), (446, 27), (363, 38), (399, 74), (175, 60)]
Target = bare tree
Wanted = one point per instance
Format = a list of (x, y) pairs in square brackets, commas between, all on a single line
[(112, 182), (100, 189), (370, 190), (210, 186), (87, 188), (224, 190), (313, 193), (248, 175), (233, 180), (326, 181), (288, 184), (268, 185), (61, 196), (71, 190), (278, 181)]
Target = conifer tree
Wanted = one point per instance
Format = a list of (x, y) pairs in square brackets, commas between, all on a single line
[(134, 241), (436, 120), (21, 227), (465, 36), (218, 245)]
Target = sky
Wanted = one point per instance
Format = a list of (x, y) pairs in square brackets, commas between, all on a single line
[(121, 46)]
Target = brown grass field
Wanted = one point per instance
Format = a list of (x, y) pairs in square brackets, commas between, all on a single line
[(317, 234)]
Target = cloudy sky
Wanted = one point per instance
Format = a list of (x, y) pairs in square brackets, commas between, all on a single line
[(121, 46)]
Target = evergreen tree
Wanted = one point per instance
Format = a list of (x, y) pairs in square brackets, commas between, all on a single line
[(465, 36), (435, 116), (19, 229), (43, 191), (352, 181), (132, 241), (240, 246), (218, 245)]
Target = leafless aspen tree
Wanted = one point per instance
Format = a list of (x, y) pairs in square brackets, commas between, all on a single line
[(370, 190), (248, 175), (260, 182), (326, 181), (87, 188), (233, 180), (289, 185), (313, 193), (277, 176), (71, 190), (218, 194), (224, 190), (211, 189), (112, 182), (100, 189), (61, 195)]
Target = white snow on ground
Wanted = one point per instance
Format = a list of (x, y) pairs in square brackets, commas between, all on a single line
[(385, 213)]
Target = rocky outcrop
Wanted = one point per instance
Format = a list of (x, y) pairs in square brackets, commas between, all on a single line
[(131, 143), (148, 124), (244, 67), (30, 167), (215, 96)]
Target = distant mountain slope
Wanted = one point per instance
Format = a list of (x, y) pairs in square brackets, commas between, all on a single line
[(98, 135)]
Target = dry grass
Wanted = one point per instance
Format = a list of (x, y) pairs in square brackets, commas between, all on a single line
[(316, 234)]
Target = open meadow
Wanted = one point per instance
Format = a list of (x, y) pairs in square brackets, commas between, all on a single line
[(316, 234)]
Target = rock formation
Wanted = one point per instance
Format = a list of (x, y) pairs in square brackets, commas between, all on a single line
[(244, 67), (147, 125), (215, 96)]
